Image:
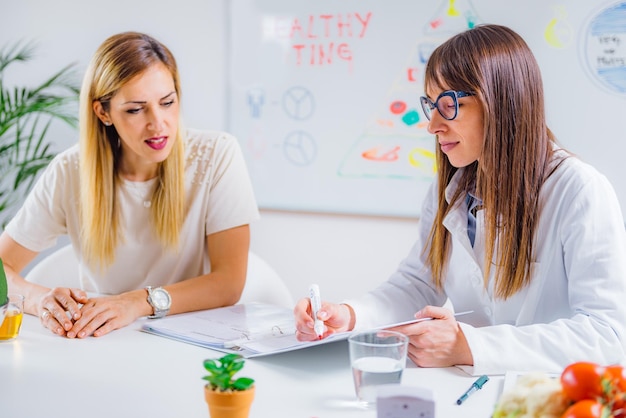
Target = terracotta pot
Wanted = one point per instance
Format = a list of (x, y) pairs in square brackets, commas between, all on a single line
[(234, 404)]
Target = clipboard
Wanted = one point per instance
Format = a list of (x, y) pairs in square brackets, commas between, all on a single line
[(252, 329)]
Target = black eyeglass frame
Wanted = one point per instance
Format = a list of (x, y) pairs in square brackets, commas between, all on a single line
[(428, 106)]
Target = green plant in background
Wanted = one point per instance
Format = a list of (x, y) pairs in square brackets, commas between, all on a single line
[(221, 372), (26, 114)]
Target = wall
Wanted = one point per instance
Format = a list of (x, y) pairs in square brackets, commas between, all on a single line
[(340, 252), (344, 254)]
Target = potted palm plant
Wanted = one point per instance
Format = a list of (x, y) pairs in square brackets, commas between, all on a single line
[(26, 114), (227, 397)]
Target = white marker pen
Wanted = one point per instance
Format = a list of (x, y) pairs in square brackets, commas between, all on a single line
[(316, 305)]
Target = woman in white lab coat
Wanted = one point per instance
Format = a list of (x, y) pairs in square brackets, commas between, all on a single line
[(515, 229)]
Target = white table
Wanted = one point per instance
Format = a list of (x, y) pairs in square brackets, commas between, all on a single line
[(129, 373)]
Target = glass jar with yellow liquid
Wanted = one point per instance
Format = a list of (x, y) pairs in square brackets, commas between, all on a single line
[(12, 322)]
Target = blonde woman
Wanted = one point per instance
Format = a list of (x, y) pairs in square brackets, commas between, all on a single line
[(157, 215), (515, 229)]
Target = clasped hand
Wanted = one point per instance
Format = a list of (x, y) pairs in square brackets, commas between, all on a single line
[(436, 343), (71, 313)]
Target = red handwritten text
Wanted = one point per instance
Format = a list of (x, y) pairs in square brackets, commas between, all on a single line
[(319, 39)]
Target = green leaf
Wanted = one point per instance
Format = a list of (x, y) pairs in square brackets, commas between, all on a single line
[(3, 285), (211, 366), (221, 373), (243, 383), (229, 359)]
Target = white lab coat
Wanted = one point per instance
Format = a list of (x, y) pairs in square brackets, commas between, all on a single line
[(575, 307)]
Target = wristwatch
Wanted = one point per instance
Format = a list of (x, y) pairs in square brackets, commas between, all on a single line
[(160, 300)]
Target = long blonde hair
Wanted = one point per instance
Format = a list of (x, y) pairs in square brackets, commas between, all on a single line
[(498, 66), (120, 58)]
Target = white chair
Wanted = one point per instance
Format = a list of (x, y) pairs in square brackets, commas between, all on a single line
[(263, 284), (58, 269)]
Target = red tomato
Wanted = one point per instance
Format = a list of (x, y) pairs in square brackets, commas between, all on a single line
[(615, 387), (583, 380), (586, 408), (619, 410), (616, 374)]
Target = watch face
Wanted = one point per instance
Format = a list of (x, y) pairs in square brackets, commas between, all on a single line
[(160, 299)]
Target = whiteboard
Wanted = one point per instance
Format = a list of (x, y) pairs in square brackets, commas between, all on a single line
[(324, 94)]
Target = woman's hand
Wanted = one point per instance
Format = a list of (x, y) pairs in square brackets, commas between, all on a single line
[(101, 315), (337, 318), (54, 306), (436, 343)]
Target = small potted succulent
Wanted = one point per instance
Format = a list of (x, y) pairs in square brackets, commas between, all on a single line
[(225, 396)]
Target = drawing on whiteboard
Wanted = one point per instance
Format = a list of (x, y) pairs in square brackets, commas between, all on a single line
[(423, 159), (298, 103), (386, 155), (300, 148), (452, 17), (559, 32), (256, 143), (396, 144), (318, 39), (604, 48), (398, 107), (256, 100)]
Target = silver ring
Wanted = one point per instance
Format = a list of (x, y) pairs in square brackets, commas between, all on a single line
[(45, 314)]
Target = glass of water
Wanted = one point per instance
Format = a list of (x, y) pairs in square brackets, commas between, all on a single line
[(377, 358)]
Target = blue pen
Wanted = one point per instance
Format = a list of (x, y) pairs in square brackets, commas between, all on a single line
[(478, 384)]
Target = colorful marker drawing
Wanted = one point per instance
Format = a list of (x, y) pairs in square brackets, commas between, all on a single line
[(397, 107), (375, 154), (453, 11), (256, 142), (419, 157), (256, 101), (604, 48), (452, 17), (396, 143), (559, 32)]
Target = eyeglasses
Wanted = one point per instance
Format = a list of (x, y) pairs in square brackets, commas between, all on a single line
[(447, 104)]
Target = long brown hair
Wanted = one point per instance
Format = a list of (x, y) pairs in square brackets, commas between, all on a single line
[(120, 58), (497, 65)]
